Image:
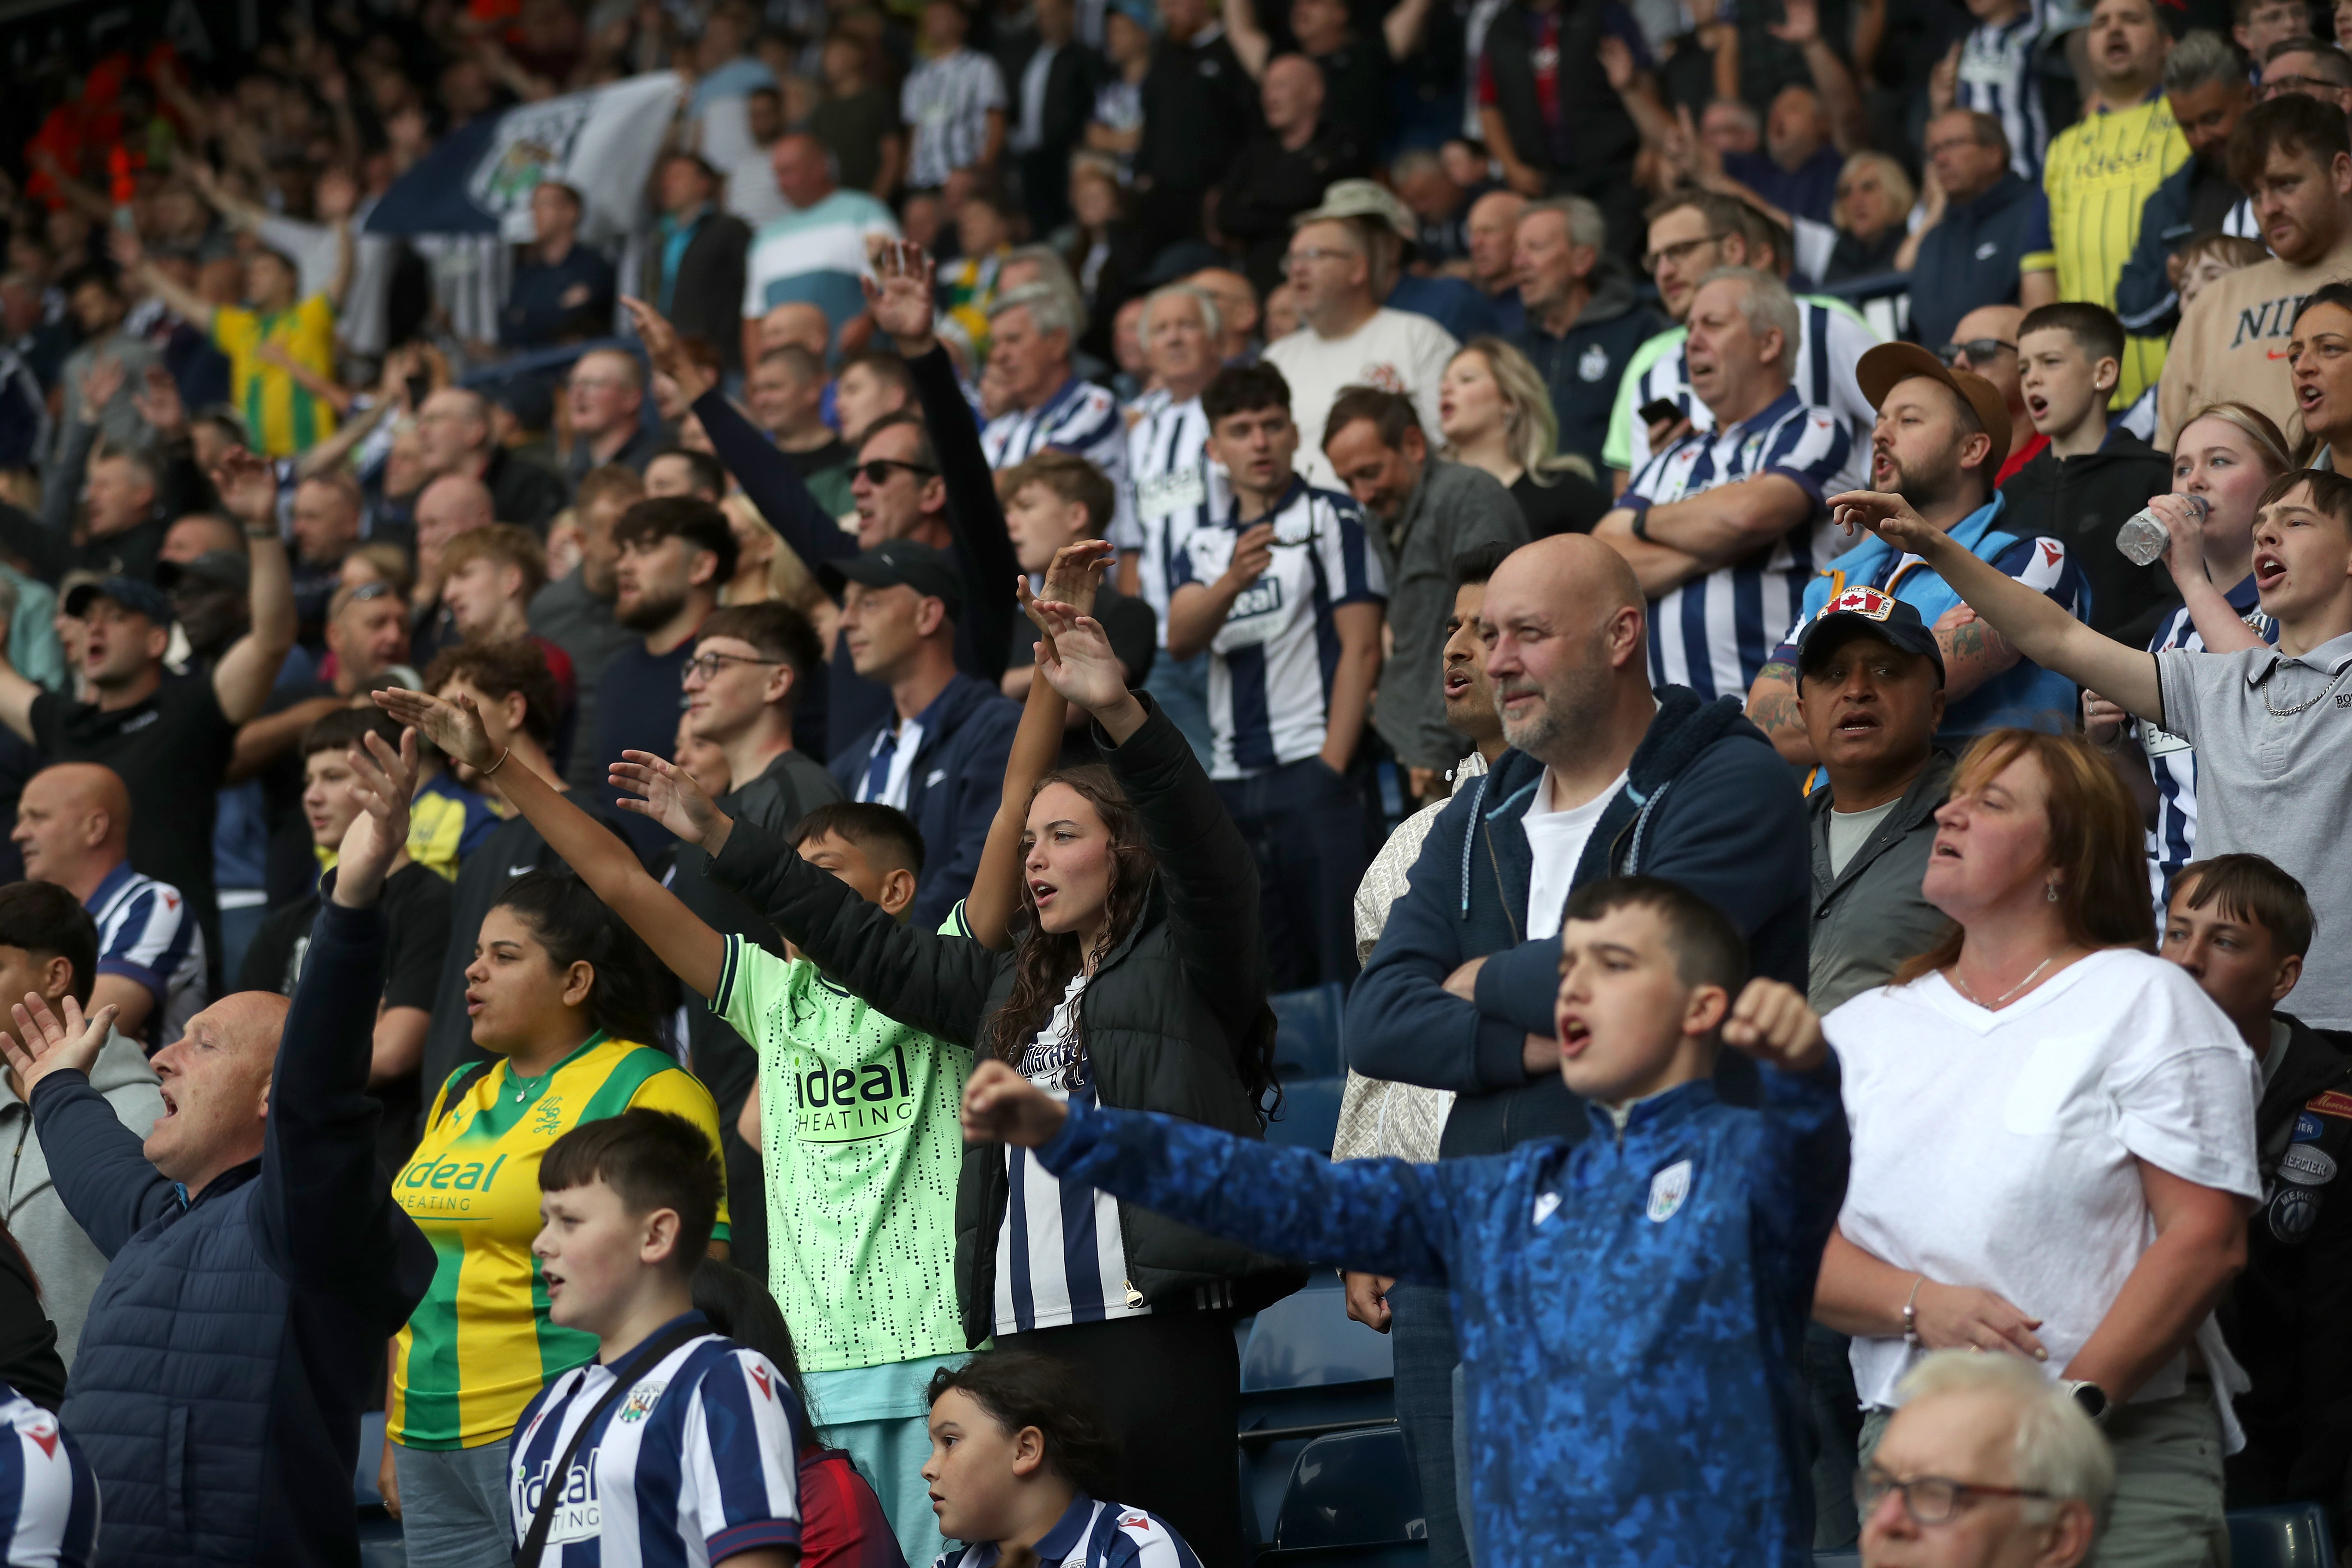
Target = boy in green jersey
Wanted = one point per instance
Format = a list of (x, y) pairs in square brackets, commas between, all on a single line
[(857, 1120)]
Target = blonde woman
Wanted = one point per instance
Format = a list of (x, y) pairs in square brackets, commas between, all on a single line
[(1874, 196), (1495, 414)]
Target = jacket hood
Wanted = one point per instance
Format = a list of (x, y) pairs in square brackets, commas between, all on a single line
[(1612, 296)]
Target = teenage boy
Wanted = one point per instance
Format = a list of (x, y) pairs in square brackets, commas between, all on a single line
[(1623, 1302), (2269, 725), (2089, 478), (697, 1459), (490, 576), (416, 916), (1052, 498), (1286, 595), (2241, 927)]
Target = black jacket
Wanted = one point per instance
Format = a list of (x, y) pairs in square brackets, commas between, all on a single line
[(1199, 107), (2284, 1318), (1166, 1022), (1067, 103), (708, 300), (1708, 802), (1583, 366), (1593, 144), (1869, 918), (1270, 184), (2080, 503)]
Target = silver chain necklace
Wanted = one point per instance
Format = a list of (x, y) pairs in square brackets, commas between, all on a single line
[(2277, 713), (2005, 996)]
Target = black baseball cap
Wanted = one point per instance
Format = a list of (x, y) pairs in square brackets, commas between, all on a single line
[(1870, 611), (901, 562), (140, 598), (218, 568)]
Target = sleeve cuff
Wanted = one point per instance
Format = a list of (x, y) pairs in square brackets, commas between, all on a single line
[(1056, 1153), (139, 973), (1633, 501), (738, 1539)]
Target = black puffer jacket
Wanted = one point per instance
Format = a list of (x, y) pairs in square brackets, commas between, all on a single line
[(1167, 1019)]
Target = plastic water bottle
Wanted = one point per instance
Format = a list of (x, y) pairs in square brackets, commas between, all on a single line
[(2144, 538)]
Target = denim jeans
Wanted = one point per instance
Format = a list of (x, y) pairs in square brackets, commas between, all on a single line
[(1304, 825), (1423, 1326), (453, 1511)]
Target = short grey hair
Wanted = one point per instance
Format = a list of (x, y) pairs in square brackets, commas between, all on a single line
[(1053, 270), (2201, 57), (1585, 224), (1210, 319), (1765, 301), (2058, 1449), (1048, 306)]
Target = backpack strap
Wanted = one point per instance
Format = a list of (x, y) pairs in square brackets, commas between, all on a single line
[(460, 1084), (542, 1519)]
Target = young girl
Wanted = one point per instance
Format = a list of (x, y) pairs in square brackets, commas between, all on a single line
[(1020, 1458)]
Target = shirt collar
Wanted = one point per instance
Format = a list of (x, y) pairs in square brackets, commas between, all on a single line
[(1763, 418), (2153, 94), (1061, 1539), (113, 885), (1290, 494), (2329, 657), (623, 1360), (2245, 595)]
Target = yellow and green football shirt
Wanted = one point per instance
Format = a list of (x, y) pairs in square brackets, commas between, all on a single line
[(861, 1149), (282, 418), (480, 1344), (2099, 174)]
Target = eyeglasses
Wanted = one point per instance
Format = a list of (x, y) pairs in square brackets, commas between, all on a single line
[(1676, 253), (598, 382), (366, 591), (1975, 350), (1297, 258), (708, 664), (877, 470), (2311, 86), (1928, 1500)]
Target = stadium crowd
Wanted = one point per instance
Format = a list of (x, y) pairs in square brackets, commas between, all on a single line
[(1763, 586)]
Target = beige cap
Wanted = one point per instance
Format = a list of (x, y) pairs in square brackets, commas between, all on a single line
[(1363, 198), (1881, 369)]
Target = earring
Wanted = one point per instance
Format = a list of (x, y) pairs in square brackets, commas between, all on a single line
[(2051, 890)]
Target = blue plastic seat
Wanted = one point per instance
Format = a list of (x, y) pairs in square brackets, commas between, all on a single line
[(363, 1487), (1351, 1489), (1307, 1341), (1310, 1114), (2287, 1535), (1307, 1029)]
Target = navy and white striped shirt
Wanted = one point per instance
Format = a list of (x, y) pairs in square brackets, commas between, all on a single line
[(945, 103), (1997, 79), (1272, 662), (1831, 340), (697, 1462), (146, 934), (1714, 633), (1080, 418), (1171, 486), (1092, 1535), (48, 1498), (2172, 842)]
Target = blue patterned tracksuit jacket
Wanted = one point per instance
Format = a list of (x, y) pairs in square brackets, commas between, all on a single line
[(1631, 1308)]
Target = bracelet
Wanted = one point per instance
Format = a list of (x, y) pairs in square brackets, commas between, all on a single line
[(261, 533), (1911, 1312), (1641, 523), (494, 767)]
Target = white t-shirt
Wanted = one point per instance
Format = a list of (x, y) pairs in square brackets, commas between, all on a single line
[(1395, 350), (1999, 1150), (1556, 841)]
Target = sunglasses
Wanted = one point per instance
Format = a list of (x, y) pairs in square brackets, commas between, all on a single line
[(877, 470), (1975, 349)]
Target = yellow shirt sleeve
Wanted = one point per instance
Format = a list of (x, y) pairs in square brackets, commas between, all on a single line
[(681, 1094), (314, 334), (235, 331)]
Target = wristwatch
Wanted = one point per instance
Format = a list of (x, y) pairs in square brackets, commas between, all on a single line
[(1641, 523), (2090, 1398)]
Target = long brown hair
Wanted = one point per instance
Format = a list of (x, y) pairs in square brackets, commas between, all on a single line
[(1042, 963), (2096, 843)]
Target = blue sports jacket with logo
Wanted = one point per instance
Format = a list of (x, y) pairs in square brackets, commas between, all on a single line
[(1630, 1308)]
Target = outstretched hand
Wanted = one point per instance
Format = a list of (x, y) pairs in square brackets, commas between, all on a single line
[(42, 1044), (385, 781), (1000, 1106), (900, 302), (1772, 1023), (1076, 660), (1073, 578), (669, 795), (456, 727), (248, 485), (664, 352), (1890, 517)]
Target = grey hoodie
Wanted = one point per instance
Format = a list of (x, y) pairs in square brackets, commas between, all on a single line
[(64, 1260)]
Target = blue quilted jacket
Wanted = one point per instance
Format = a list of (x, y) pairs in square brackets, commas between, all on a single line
[(235, 1339), (1631, 1309)]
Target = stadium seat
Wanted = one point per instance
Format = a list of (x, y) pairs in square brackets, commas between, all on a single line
[(1306, 1039), (1310, 1114), (363, 1487), (2287, 1535), (1351, 1489), (1307, 1369), (1836, 1559)]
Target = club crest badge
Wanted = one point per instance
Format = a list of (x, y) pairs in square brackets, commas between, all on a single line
[(1668, 1188)]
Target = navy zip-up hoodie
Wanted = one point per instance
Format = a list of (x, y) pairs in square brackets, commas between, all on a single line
[(1708, 802), (233, 1342), (1630, 1309)]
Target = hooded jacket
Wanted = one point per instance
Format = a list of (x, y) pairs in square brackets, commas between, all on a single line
[(1978, 254), (1869, 918), (2080, 503), (1167, 1020), (1708, 802), (1582, 367)]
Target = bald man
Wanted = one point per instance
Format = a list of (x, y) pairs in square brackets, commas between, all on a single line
[(1459, 993), (1282, 170), (73, 828), (606, 396), (795, 324), (1493, 229), (815, 254), (258, 1260), (453, 430)]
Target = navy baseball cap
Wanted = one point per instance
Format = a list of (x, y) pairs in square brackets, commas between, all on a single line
[(1874, 612), (140, 598), (901, 562), (219, 568)]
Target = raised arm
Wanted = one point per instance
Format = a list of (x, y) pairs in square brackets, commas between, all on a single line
[(901, 306), (187, 304), (98, 1164), (1802, 25), (17, 693), (1252, 46), (2036, 627), (242, 679), (693, 952)]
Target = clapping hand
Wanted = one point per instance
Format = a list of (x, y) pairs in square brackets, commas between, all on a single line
[(385, 780), (1772, 1023), (1000, 1106), (1801, 23), (900, 302), (1072, 578), (50, 1046), (456, 727), (670, 796), (1076, 659)]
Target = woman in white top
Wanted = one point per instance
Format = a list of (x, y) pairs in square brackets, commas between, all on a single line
[(2053, 1147)]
